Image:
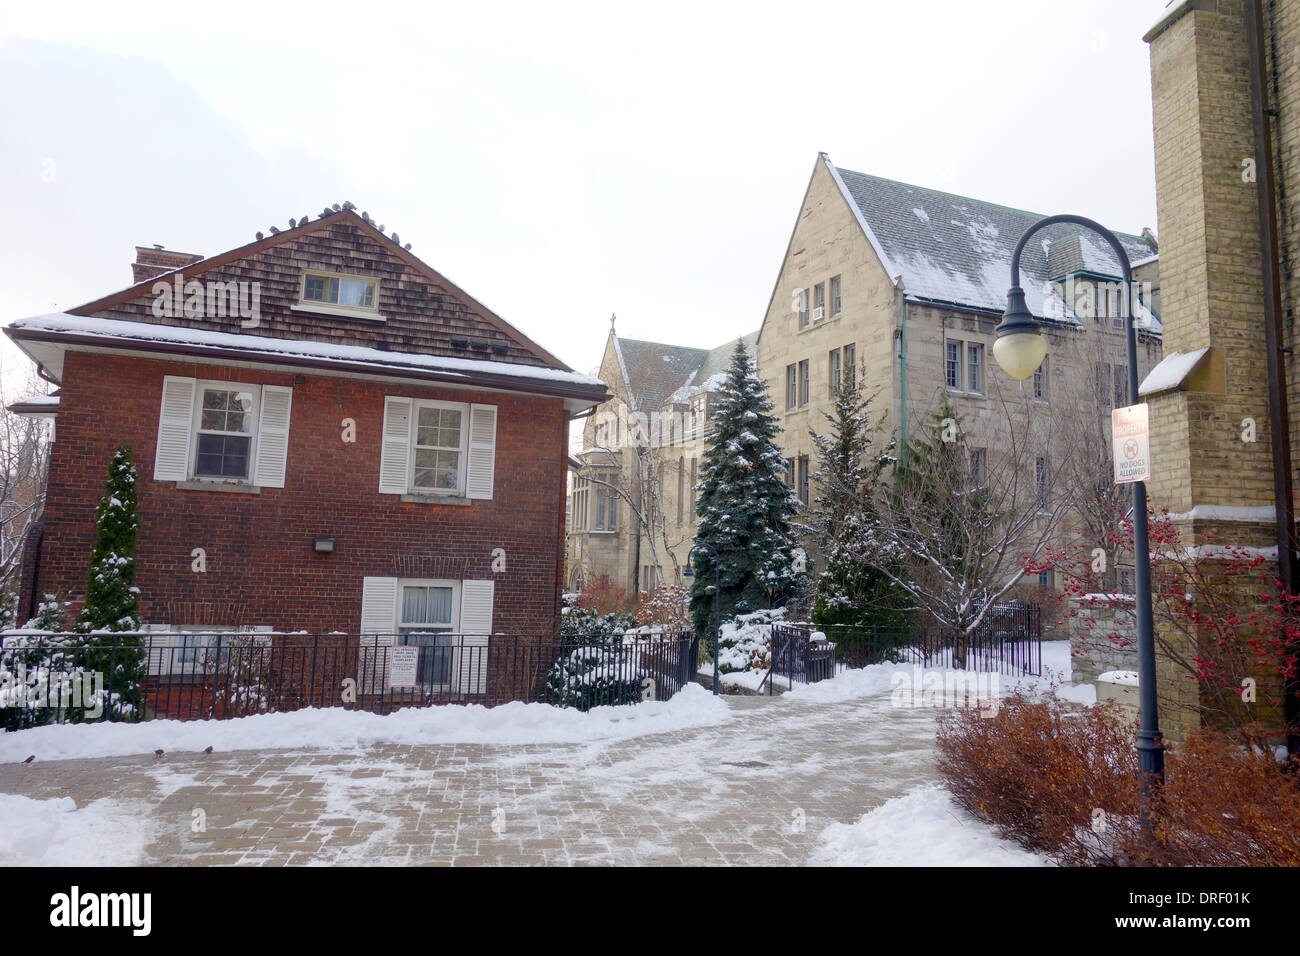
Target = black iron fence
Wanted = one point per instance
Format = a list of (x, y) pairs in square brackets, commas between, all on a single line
[(208, 675), (1009, 640), (796, 655)]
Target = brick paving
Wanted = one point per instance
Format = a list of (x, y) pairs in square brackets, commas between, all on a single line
[(756, 790)]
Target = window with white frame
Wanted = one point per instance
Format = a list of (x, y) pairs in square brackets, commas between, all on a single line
[(803, 308), (851, 362), (230, 433), (835, 295), (791, 386), (819, 300), (1042, 481), (1040, 382), (438, 448), (224, 424), (975, 368), (427, 614), (835, 372), (952, 364), (197, 643), (803, 382), (340, 294)]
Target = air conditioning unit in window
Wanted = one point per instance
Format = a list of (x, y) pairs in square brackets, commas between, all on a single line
[(819, 313)]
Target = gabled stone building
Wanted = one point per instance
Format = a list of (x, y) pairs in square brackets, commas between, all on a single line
[(906, 285), (631, 501)]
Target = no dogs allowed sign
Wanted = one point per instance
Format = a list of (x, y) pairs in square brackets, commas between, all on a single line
[(1131, 440)]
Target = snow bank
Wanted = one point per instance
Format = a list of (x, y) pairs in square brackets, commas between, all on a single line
[(338, 729), (57, 833), (924, 828), (853, 683)]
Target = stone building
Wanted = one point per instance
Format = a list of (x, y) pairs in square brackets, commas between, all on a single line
[(631, 500), (905, 285), (1227, 159)]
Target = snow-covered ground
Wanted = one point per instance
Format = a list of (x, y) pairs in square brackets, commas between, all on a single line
[(924, 828), (688, 770), (57, 832), (338, 729)]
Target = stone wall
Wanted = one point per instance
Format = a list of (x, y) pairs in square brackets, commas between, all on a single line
[(1092, 651)]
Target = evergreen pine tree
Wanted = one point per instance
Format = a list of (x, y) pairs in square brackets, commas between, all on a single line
[(745, 508), (112, 600), (838, 523)]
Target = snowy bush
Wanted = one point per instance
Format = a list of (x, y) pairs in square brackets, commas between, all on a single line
[(594, 676), (745, 643)]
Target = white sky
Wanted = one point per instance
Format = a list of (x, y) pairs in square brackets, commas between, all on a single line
[(559, 161)]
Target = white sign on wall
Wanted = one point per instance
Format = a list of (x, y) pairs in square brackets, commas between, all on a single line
[(1130, 438), (403, 663)]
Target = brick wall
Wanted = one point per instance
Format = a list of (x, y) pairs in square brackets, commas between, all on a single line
[(261, 566)]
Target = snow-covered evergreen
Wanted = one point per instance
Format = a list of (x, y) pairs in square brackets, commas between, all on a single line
[(112, 599), (745, 508), (842, 516)]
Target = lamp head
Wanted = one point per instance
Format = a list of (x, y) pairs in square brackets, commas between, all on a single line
[(1020, 346)]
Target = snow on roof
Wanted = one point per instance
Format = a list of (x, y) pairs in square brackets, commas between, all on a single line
[(40, 400), (951, 249), (65, 323), (1170, 371)]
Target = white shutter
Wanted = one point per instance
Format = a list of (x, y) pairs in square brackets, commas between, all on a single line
[(482, 451), (161, 652), (273, 436), (471, 659), (378, 621), (395, 452), (176, 419)]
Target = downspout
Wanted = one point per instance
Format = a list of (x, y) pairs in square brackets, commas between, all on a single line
[(902, 361), (1277, 397)]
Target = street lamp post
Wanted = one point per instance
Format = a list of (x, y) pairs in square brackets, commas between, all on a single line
[(717, 591), (1020, 349)]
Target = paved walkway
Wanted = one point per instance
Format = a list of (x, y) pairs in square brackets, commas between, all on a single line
[(758, 789)]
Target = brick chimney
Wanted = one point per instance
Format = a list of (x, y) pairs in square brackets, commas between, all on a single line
[(154, 260)]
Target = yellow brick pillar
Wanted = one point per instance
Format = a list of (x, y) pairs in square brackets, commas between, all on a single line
[(1213, 299)]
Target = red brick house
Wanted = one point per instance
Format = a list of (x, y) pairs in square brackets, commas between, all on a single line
[(354, 442)]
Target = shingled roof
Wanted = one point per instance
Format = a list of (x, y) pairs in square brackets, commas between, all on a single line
[(957, 251)]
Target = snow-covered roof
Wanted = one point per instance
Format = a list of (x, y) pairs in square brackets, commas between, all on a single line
[(63, 327), (1171, 371), (955, 250)]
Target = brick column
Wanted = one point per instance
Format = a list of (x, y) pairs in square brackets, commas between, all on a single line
[(1212, 295)]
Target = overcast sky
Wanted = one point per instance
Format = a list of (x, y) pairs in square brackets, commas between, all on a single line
[(559, 161)]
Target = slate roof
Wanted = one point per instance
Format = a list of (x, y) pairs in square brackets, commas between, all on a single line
[(657, 372), (955, 250)]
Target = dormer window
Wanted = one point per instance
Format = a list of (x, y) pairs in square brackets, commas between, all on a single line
[(336, 294)]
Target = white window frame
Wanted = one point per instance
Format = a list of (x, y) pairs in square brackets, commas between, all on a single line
[(453, 626), (305, 304), (948, 346), (836, 284), (460, 490), (974, 356), (197, 418)]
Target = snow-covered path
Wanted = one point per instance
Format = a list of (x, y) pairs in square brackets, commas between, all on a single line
[(778, 781)]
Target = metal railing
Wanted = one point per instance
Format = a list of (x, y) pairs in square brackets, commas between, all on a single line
[(193, 675), (1008, 640), (795, 655)]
